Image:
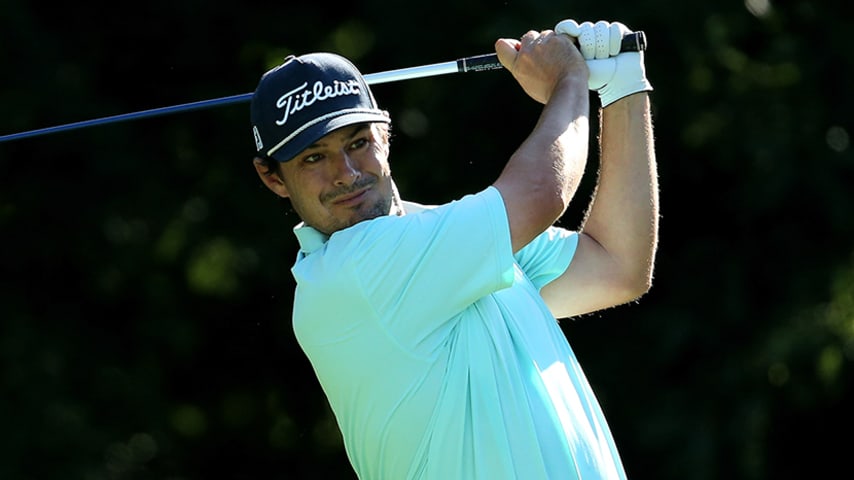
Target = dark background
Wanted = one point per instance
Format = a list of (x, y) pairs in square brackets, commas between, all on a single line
[(146, 291)]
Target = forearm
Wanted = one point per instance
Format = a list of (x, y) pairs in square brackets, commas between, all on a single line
[(623, 215), (544, 172), (555, 153)]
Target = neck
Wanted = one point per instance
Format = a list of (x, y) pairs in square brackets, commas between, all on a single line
[(396, 203)]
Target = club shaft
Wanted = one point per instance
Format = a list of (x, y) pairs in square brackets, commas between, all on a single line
[(185, 107), (467, 64), (371, 79), (635, 41)]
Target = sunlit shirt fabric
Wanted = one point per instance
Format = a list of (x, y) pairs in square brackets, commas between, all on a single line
[(438, 356)]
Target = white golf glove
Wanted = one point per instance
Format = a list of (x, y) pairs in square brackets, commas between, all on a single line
[(613, 75)]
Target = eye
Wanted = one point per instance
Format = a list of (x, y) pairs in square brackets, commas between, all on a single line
[(312, 158), (359, 143)]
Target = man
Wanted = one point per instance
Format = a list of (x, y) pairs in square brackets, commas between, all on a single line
[(433, 330)]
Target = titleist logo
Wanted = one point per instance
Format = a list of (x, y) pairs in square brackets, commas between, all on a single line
[(302, 97)]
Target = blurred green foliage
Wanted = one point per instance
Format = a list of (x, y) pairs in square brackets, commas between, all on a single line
[(145, 301)]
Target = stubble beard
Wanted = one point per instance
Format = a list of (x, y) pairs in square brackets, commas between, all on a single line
[(382, 207)]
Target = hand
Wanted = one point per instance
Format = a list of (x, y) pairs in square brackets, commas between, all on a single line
[(541, 61), (613, 75)]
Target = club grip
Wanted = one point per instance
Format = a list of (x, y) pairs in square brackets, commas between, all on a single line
[(632, 42)]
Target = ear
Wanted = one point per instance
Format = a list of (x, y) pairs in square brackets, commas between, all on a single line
[(270, 178)]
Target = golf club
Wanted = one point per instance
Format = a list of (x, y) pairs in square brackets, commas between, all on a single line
[(632, 42)]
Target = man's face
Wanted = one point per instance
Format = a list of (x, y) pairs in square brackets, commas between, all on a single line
[(340, 180)]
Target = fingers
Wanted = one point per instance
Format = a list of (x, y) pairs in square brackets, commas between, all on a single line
[(591, 42), (602, 32), (506, 49), (568, 27), (595, 40), (529, 40), (616, 32), (539, 61)]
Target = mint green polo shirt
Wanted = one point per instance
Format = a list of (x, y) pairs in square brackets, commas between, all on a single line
[(437, 354)]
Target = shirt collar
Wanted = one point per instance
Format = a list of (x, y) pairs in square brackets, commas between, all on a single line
[(311, 239)]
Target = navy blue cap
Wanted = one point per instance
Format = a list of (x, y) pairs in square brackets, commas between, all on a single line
[(304, 99)]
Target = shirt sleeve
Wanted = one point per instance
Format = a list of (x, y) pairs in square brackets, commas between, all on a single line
[(547, 256)]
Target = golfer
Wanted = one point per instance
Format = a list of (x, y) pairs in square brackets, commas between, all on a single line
[(433, 329)]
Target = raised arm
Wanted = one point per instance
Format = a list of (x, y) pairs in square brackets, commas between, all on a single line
[(543, 174), (618, 238)]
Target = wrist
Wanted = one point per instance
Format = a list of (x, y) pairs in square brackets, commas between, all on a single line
[(570, 85), (629, 77)]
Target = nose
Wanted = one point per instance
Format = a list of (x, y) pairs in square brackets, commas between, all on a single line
[(346, 170)]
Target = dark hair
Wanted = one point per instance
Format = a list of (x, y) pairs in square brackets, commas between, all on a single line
[(270, 164)]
